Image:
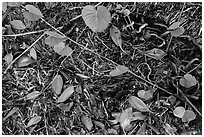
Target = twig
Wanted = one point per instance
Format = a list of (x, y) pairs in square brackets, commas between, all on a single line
[(194, 68), (22, 34), (23, 53)]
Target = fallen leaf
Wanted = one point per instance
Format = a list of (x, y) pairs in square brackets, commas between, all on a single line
[(138, 116), (178, 32), (125, 118), (15, 4), (118, 70), (116, 36), (34, 10), (138, 104), (97, 19), (57, 84), (55, 34), (142, 129), (87, 122), (82, 76), (175, 25), (155, 53), (188, 81), (11, 112), (52, 41), (17, 24), (33, 53), (179, 112), (33, 95), (8, 58), (66, 94), (34, 121), (24, 61), (188, 116)]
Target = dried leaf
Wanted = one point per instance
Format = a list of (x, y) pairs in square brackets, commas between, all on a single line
[(8, 58), (62, 50), (155, 53), (179, 112), (52, 41), (11, 112), (66, 94), (138, 104), (142, 129), (24, 61), (33, 95), (17, 24), (34, 10), (175, 25), (170, 130), (188, 116), (125, 118), (118, 70), (96, 19), (34, 121), (55, 34), (178, 32), (188, 81), (116, 36), (99, 124), (57, 84), (87, 122), (33, 53), (82, 76)]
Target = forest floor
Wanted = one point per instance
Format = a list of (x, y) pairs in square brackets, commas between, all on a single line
[(97, 103)]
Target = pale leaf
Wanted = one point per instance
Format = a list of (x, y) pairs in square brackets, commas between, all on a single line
[(188, 81), (57, 84), (11, 112), (8, 58), (34, 121), (155, 53), (125, 118), (188, 116), (96, 19), (87, 122), (17, 24), (179, 112), (66, 94), (138, 104), (33, 95), (118, 70), (33, 53)]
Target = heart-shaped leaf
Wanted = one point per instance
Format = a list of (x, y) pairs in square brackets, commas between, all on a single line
[(155, 53), (138, 104), (145, 94), (24, 61), (33, 53), (188, 81), (57, 84), (87, 122), (178, 32), (8, 58), (179, 112), (118, 70), (11, 112), (96, 19), (116, 36), (34, 121), (66, 94), (33, 13), (175, 25), (125, 118), (33, 95), (17, 24), (188, 116)]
